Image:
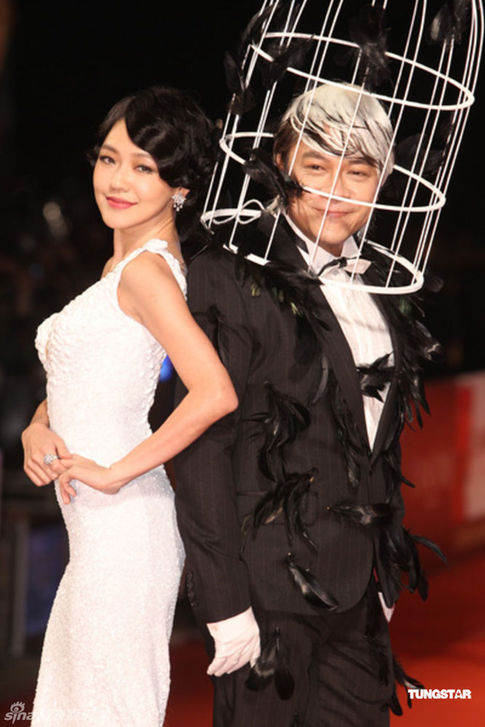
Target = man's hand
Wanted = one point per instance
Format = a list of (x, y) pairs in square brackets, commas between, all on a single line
[(236, 642)]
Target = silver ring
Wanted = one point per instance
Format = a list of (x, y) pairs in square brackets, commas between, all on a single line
[(49, 458)]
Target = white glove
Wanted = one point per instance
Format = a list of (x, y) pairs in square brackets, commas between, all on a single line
[(236, 642), (387, 611)]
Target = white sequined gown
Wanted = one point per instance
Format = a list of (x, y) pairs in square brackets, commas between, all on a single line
[(105, 660)]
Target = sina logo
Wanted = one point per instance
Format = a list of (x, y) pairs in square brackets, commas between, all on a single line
[(17, 713)]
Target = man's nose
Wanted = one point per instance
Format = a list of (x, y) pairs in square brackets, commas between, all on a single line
[(340, 186)]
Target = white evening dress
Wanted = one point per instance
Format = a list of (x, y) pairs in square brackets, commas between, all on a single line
[(105, 660)]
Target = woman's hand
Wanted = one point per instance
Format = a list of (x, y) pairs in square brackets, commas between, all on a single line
[(89, 473), (38, 441)]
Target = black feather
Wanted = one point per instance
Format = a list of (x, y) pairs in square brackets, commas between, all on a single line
[(263, 669), (262, 169), (405, 681), (272, 663), (395, 705), (374, 618), (287, 497), (283, 679), (450, 21), (349, 435), (282, 422), (365, 514), (309, 586), (374, 377), (369, 33), (283, 57), (322, 382), (429, 544), (399, 556), (243, 97)]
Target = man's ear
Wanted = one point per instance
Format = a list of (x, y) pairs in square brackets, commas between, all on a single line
[(280, 162)]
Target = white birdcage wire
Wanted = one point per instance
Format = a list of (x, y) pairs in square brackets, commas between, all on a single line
[(432, 87)]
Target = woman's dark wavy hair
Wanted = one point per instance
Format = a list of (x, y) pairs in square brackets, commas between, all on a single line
[(169, 125)]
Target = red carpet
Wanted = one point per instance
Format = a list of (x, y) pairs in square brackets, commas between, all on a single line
[(441, 643)]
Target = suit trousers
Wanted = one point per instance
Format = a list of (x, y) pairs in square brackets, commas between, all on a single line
[(341, 665)]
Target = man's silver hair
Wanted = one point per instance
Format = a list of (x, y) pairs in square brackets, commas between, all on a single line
[(343, 120)]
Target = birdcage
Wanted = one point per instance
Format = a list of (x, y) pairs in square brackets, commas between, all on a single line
[(419, 59)]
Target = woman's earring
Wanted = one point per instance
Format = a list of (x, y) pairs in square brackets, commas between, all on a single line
[(178, 201)]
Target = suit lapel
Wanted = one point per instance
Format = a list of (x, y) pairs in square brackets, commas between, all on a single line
[(388, 412), (285, 249), (343, 366)]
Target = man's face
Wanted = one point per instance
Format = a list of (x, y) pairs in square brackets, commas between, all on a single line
[(355, 180)]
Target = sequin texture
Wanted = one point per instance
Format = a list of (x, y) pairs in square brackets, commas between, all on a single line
[(105, 658)]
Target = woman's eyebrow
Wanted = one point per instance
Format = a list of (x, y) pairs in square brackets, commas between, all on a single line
[(143, 154)]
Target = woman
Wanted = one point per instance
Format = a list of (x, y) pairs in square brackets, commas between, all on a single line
[(105, 657)]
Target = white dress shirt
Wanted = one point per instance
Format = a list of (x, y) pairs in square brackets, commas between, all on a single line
[(359, 317)]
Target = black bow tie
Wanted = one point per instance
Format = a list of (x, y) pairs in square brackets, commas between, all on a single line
[(355, 265)]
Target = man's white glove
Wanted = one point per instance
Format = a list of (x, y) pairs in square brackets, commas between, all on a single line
[(236, 642)]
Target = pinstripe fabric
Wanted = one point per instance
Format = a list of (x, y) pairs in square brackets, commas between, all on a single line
[(336, 680), (218, 477), (219, 482)]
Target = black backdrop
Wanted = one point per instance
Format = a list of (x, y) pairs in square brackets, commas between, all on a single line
[(69, 61)]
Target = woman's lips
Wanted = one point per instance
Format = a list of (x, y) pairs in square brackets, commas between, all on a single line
[(119, 204)]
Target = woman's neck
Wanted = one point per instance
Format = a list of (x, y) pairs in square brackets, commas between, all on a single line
[(125, 241)]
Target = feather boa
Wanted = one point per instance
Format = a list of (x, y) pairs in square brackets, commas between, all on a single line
[(293, 289)]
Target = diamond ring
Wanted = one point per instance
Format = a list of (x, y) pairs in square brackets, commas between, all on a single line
[(49, 458)]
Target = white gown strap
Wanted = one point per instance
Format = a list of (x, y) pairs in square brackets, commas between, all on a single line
[(160, 248)]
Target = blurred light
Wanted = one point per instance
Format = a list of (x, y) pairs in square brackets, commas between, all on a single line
[(55, 219), (167, 370)]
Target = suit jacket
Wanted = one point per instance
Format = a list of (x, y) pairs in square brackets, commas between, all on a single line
[(299, 427)]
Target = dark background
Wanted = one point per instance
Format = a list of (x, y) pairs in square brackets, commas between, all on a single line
[(63, 65)]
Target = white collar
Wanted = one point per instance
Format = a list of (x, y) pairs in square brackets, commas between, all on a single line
[(320, 256)]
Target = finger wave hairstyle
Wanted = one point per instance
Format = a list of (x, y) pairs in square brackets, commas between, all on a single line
[(173, 129)]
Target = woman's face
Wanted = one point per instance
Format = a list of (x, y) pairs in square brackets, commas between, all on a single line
[(128, 189)]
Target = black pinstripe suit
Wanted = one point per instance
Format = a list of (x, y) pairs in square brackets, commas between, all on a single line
[(220, 479)]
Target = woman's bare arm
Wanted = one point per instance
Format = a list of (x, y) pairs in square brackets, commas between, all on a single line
[(149, 293)]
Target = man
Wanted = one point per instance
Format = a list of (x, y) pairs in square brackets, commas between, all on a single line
[(290, 508)]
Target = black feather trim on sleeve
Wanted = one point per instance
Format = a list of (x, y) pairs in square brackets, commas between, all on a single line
[(398, 556)]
